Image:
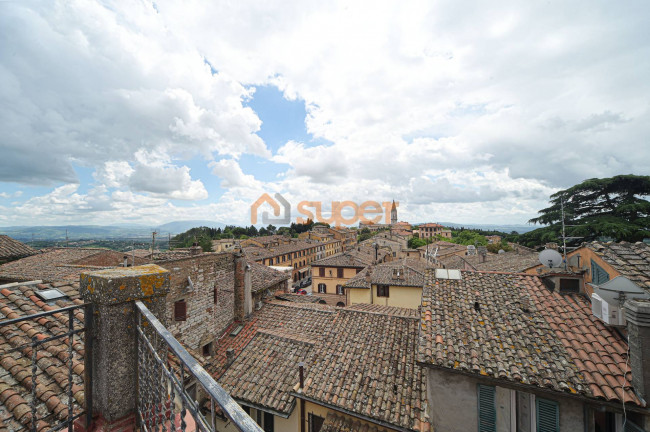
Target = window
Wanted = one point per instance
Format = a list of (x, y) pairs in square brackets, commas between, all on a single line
[(487, 411), (359, 270), (215, 293), (339, 290), (598, 274), (321, 271), (315, 423), (339, 272), (548, 415), (268, 422), (207, 350), (180, 310), (382, 291), (322, 288)]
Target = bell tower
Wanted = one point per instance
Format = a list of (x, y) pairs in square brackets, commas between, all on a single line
[(393, 214)]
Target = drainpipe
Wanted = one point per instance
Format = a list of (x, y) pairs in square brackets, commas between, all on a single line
[(301, 368)]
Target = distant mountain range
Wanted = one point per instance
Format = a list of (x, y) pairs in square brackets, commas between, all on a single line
[(490, 227), (96, 232)]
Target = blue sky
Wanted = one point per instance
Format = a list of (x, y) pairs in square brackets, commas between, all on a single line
[(470, 113)]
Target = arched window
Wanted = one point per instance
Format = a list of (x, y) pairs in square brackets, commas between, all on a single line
[(322, 288), (340, 290), (340, 304)]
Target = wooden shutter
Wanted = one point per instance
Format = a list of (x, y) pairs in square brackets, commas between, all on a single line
[(321, 271), (598, 274), (548, 416), (180, 311), (487, 411), (339, 273)]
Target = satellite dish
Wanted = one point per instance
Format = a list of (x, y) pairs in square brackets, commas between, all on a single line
[(501, 251), (611, 290), (550, 258)]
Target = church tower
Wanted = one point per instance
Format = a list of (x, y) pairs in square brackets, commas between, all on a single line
[(393, 214)]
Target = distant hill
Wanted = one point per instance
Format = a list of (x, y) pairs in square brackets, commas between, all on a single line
[(493, 227), (96, 232)]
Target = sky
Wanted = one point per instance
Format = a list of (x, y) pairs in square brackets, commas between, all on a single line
[(470, 112)]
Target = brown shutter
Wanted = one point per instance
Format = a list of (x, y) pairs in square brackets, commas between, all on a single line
[(339, 273), (180, 311), (321, 271)]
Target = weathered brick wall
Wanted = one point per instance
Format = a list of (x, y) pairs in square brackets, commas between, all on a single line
[(205, 320)]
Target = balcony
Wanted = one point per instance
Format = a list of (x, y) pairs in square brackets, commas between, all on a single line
[(106, 363)]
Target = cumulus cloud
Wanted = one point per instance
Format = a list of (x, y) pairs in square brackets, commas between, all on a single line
[(461, 111), (90, 83), (233, 176)]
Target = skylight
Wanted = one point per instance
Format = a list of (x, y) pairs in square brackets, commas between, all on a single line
[(50, 294)]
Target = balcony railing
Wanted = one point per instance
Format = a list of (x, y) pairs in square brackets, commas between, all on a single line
[(41, 338), (165, 372)]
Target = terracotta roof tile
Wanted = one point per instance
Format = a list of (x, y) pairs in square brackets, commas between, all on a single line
[(11, 249), (52, 367), (61, 264), (553, 337), (339, 423)]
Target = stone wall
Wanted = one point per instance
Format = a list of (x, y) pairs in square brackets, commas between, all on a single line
[(206, 320)]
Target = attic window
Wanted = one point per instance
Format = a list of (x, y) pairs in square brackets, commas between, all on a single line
[(569, 286), (51, 294), (236, 330)]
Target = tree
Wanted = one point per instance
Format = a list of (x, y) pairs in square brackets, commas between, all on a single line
[(415, 242), (613, 207)]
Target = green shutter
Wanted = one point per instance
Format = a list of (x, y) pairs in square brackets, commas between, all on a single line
[(548, 416), (487, 410), (598, 274)]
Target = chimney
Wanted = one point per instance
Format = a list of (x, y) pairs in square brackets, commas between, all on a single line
[(243, 296), (230, 356), (637, 313), (126, 261), (195, 249)]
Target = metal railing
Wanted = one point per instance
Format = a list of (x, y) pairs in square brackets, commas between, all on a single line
[(165, 372), (32, 348)]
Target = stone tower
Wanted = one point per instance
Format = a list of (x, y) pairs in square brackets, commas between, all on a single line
[(393, 214)]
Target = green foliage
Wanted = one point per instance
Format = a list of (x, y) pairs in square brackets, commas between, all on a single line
[(468, 237), (415, 242), (611, 207)]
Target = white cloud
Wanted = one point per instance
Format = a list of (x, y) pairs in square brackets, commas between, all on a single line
[(467, 112), (90, 83), (233, 176)]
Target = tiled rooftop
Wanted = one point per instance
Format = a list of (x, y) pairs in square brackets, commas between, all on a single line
[(337, 346), (268, 371), (411, 274), (263, 277), (309, 320), (522, 333), (366, 364), (257, 253), (510, 262), (52, 372), (345, 259), (338, 423), (632, 260), (60, 264), (11, 249)]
